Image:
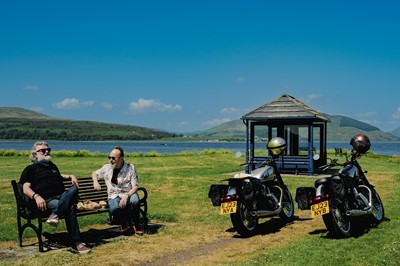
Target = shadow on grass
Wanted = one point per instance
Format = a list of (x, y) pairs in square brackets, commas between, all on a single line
[(270, 226), (360, 227), (93, 237)]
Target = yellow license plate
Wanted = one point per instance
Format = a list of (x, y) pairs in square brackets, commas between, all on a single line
[(228, 207), (320, 209)]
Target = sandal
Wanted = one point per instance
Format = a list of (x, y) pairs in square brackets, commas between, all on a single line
[(137, 231)]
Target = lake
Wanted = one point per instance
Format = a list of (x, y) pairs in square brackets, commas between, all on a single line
[(383, 148)]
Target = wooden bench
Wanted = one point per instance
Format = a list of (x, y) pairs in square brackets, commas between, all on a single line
[(27, 210)]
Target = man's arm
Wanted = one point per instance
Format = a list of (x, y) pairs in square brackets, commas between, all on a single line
[(96, 184), (40, 202)]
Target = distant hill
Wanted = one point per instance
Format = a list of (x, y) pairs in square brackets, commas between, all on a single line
[(19, 123), (341, 128), (396, 132)]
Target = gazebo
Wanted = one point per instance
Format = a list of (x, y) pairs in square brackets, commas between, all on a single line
[(303, 128)]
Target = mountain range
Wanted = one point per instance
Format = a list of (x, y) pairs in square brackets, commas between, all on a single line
[(341, 128), (18, 123)]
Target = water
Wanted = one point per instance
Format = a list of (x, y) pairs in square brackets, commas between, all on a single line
[(382, 148)]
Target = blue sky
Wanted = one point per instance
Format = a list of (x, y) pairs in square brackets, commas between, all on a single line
[(182, 66)]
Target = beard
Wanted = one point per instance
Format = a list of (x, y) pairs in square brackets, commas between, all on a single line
[(44, 159)]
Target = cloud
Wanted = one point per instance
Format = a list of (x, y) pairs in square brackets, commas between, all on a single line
[(72, 104), (31, 87), (396, 114), (230, 110), (107, 105), (311, 98), (240, 79), (145, 105), (216, 122), (366, 114)]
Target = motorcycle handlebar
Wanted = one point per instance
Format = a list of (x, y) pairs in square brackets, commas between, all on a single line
[(334, 162)]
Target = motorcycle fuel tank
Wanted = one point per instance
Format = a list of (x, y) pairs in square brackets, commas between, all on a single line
[(349, 170), (263, 173)]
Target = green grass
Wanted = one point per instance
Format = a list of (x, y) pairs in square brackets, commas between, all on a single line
[(178, 196)]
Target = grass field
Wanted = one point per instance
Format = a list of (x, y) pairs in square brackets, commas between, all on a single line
[(191, 231)]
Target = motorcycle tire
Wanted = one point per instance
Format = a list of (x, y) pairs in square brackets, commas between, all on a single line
[(243, 222), (378, 212), (336, 221), (287, 212)]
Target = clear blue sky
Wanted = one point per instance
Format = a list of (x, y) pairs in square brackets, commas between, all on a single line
[(189, 65)]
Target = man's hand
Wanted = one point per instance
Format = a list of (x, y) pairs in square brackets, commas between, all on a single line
[(96, 186), (123, 201), (74, 180), (41, 203)]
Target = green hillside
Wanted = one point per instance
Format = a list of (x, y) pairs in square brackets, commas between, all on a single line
[(341, 128), (19, 124)]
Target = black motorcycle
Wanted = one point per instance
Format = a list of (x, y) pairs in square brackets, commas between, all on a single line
[(250, 196), (345, 196)]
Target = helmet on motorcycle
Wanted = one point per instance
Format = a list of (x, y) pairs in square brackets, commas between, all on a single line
[(360, 143), (276, 145)]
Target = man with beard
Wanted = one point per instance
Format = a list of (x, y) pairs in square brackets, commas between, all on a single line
[(122, 184), (43, 182)]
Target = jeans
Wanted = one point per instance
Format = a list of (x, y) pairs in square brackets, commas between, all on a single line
[(64, 207), (129, 214)]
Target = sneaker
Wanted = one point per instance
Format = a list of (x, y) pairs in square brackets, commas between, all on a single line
[(53, 220), (137, 231), (81, 249)]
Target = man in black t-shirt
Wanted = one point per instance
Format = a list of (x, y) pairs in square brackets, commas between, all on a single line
[(43, 182)]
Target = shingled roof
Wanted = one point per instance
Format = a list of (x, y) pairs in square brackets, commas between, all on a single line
[(285, 107)]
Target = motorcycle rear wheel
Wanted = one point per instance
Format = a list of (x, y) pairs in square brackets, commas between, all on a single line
[(336, 221), (243, 222), (287, 212)]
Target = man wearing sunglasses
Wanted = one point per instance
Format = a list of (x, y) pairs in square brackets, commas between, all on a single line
[(43, 182), (122, 184)]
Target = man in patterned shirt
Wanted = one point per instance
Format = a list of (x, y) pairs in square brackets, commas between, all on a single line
[(122, 184)]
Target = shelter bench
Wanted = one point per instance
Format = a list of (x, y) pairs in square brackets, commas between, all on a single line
[(27, 210)]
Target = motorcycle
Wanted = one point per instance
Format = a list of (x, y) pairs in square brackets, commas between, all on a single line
[(345, 196), (259, 194)]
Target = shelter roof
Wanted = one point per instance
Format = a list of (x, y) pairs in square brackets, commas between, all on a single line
[(285, 107)]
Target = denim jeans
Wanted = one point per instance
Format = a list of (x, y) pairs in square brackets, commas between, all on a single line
[(129, 214), (64, 207)]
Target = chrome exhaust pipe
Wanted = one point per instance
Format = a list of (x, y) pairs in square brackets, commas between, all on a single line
[(265, 213), (356, 212)]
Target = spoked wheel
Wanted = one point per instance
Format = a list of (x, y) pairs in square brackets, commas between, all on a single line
[(287, 212), (378, 212), (243, 222), (336, 221)]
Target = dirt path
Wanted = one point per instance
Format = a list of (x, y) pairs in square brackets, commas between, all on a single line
[(272, 234)]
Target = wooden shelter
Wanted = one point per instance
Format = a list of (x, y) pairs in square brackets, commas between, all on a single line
[(303, 128)]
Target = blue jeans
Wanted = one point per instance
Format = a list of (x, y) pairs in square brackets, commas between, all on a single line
[(128, 214), (64, 207)]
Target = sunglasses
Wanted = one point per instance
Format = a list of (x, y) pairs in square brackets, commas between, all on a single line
[(44, 150), (113, 158)]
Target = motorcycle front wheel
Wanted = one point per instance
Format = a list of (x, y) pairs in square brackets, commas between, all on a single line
[(287, 212), (336, 221), (243, 222), (378, 212)]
